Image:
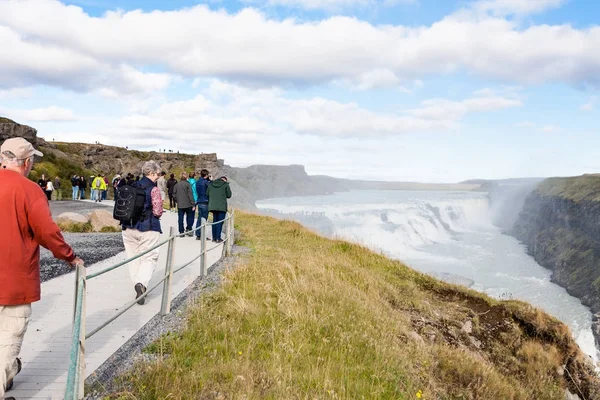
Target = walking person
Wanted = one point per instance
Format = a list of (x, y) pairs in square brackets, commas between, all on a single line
[(26, 224), (218, 192), (43, 182), (162, 185), (95, 185), (75, 187), (192, 181), (185, 204), (104, 187), (202, 199), (141, 235), (115, 184), (82, 187), (57, 189), (170, 185), (49, 190)]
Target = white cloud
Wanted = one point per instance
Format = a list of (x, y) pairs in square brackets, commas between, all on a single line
[(590, 105), (550, 128), (252, 116), (16, 93), (484, 101), (252, 48), (517, 7), (525, 124), (331, 5), (39, 114)]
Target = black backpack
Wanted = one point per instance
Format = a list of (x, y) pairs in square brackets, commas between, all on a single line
[(130, 202)]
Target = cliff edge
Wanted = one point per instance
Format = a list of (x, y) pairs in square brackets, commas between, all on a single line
[(560, 225)]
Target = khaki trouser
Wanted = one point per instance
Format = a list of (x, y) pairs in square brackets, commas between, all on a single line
[(136, 242), (13, 325)]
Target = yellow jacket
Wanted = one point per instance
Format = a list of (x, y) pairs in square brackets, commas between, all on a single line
[(99, 183)]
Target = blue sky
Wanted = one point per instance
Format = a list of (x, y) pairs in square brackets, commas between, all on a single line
[(418, 90)]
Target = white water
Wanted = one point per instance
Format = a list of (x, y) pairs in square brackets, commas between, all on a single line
[(447, 234)]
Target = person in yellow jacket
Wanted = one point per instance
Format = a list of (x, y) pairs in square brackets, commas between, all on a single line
[(98, 185)]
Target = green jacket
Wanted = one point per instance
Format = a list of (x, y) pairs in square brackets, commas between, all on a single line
[(218, 192)]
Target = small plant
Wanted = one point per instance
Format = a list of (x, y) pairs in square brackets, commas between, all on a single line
[(75, 227), (110, 229)]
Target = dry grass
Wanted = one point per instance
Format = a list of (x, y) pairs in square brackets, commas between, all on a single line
[(304, 317), (579, 188), (75, 227)]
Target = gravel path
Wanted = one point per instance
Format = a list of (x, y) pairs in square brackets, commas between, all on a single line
[(91, 247), (103, 380)]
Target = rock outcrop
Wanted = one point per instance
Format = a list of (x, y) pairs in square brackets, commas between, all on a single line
[(102, 219), (71, 218), (10, 129), (560, 225)]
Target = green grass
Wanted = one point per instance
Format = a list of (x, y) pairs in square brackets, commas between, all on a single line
[(307, 317), (4, 120), (52, 166), (580, 188)]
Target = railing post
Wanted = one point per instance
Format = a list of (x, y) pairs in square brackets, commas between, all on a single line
[(203, 249), (228, 232), (80, 378), (81, 371), (165, 307)]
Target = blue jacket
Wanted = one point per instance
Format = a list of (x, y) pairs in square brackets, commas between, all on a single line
[(150, 223), (201, 186), (192, 182)]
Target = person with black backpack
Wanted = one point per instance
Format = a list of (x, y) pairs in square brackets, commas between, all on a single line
[(139, 207)]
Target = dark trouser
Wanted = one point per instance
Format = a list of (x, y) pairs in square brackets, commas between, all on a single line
[(189, 218), (104, 194), (218, 228), (202, 213), (172, 202)]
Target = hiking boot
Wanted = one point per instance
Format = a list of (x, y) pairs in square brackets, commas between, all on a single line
[(9, 383), (140, 290)]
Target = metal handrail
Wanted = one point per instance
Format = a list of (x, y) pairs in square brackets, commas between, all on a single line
[(76, 373)]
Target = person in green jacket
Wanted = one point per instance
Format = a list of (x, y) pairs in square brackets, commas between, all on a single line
[(218, 192)]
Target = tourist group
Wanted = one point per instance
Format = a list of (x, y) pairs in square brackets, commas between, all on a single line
[(27, 223)]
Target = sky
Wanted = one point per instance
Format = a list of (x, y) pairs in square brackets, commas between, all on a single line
[(399, 90)]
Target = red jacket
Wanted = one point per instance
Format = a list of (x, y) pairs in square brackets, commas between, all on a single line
[(25, 224)]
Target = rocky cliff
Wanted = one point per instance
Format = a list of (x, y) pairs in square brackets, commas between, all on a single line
[(560, 225)]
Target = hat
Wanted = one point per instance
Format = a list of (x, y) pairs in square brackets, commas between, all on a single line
[(20, 147)]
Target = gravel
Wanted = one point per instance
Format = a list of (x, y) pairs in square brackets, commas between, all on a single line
[(102, 381), (91, 247)]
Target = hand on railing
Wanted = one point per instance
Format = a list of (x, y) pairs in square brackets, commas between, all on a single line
[(77, 261)]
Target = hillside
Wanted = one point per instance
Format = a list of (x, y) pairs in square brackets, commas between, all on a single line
[(302, 316)]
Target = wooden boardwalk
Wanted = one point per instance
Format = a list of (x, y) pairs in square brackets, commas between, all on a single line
[(45, 352)]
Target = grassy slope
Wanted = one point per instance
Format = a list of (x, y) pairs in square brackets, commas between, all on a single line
[(307, 317), (55, 164), (585, 187)]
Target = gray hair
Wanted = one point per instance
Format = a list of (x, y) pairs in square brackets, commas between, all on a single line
[(9, 158), (150, 167)]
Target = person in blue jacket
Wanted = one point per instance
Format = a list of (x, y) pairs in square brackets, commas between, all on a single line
[(202, 199), (192, 181)]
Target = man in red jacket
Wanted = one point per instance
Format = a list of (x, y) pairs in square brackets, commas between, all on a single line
[(26, 224)]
